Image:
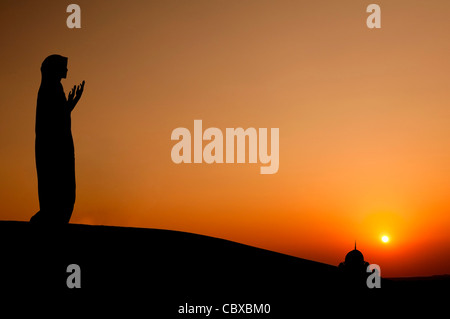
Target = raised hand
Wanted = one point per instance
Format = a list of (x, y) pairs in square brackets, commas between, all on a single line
[(71, 94), (75, 95), (79, 91)]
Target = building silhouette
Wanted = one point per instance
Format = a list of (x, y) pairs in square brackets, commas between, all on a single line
[(353, 269)]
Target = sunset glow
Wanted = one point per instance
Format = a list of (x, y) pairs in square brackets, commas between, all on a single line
[(363, 118)]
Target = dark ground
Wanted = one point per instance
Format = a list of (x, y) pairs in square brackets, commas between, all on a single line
[(156, 271)]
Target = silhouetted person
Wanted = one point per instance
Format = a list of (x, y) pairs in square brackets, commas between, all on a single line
[(54, 149)]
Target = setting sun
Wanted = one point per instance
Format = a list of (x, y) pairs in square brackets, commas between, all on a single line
[(348, 102)]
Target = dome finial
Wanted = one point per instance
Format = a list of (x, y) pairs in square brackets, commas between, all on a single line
[(355, 244)]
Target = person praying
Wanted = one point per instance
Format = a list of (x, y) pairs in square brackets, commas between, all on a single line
[(54, 148)]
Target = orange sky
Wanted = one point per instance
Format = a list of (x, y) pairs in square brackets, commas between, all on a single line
[(363, 114)]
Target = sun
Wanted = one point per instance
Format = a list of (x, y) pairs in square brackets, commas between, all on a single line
[(385, 239)]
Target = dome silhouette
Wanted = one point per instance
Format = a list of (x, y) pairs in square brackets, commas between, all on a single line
[(354, 260), (354, 257), (353, 269)]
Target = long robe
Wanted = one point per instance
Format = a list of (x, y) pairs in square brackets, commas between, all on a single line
[(55, 156)]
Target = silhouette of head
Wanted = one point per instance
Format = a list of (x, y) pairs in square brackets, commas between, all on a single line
[(54, 68)]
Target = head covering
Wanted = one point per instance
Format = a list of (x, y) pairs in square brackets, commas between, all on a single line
[(54, 67)]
